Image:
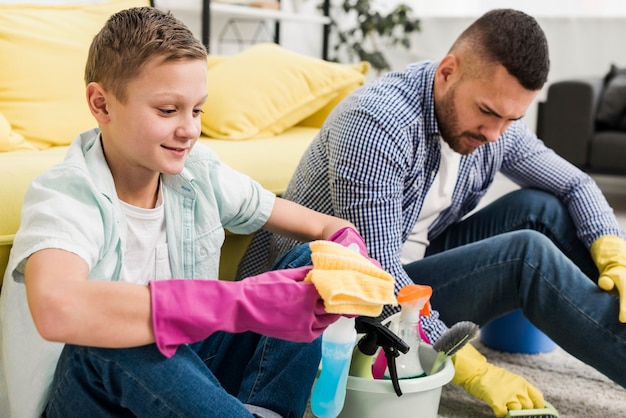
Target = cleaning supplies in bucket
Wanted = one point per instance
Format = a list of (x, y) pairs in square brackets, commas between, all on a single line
[(414, 301), (373, 398), (452, 340), (329, 390), (376, 335)]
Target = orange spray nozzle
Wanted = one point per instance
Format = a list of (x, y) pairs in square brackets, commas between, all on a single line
[(416, 294)]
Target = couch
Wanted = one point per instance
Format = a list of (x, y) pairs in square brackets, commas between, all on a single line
[(584, 120), (265, 104)]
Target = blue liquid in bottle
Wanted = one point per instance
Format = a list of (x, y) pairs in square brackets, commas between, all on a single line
[(330, 388)]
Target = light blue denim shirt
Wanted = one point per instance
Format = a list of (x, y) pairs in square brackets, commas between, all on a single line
[(74, 207)]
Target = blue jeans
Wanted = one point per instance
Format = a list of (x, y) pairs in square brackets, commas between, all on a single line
[(521, 251), (225, 375)]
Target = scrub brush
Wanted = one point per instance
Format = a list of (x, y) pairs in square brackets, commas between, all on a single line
[(451, 341), (548, 412)]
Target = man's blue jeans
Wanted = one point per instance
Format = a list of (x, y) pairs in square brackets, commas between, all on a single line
[(225, 375), (521, 251)]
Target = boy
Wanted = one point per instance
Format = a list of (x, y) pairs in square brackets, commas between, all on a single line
[(136, 204)]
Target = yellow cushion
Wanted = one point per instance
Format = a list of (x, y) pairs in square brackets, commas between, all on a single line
[(266, 89), (17, 170), (213, 60), (11, 140), (317, 119), (270, 160), (43, 49)]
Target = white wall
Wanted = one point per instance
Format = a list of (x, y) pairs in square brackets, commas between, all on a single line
[(303, 37), (579, 46), (585, 36)]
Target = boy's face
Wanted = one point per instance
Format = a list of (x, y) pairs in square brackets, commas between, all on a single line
[(154, 130)]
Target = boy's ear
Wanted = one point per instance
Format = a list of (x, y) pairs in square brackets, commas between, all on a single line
[(97, 102)]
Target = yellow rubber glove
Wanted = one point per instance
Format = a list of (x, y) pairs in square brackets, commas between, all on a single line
[(502, 390), (609, 254)]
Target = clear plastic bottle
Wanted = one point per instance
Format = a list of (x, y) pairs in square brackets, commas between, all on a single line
[(414, 300), (329, 391)]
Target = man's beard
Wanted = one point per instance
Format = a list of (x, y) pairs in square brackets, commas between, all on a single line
[(448, 122)]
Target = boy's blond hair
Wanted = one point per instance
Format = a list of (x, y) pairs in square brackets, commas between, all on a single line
[(129, 39)]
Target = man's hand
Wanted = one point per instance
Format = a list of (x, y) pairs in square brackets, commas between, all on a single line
[(609, 254), (501, 389)]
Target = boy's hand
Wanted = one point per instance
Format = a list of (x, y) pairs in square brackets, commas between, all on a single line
[(276, 304), (350, 238)]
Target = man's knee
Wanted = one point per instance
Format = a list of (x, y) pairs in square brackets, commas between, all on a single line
[(536, 198), (530, 238)]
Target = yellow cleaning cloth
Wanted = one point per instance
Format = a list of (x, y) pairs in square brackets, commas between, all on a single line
[(348, 282)]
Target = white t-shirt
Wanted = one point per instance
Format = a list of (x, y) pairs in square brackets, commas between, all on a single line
[(145, 255), (438, 198)]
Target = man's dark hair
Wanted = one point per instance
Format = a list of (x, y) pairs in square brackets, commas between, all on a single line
[(513, 39)]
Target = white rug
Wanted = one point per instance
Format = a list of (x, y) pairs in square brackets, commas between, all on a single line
[(573, 388)]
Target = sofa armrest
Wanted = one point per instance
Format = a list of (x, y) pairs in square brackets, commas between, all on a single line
[(566, 119)]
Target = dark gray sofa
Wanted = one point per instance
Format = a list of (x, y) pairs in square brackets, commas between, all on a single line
[(582, 121)]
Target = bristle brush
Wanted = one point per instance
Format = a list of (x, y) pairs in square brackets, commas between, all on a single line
[(451, 341), (547, 412)]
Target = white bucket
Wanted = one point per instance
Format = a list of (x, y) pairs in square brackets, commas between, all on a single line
[(420, 396), (376, 398)]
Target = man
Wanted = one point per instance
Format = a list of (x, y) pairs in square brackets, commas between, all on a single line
[(406, 157)]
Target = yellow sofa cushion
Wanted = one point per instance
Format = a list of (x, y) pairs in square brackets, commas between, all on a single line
[(266, 89), (270, 160), (43, 49), (316, 120), (213, 60), (11, 140), (17, 170)]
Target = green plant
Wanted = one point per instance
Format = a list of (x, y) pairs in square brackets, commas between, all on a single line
[(360, 30)]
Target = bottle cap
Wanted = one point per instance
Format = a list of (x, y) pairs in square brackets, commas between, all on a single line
[(414, 292)]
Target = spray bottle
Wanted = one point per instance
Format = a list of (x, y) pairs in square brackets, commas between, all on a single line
[(376, 335), (414, 300), (329, 391)]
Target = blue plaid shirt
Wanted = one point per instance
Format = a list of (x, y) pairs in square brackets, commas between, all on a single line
[(376, 157)]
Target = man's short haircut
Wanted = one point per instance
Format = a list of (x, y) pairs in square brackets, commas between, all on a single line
[(510, 38), (130, 38)]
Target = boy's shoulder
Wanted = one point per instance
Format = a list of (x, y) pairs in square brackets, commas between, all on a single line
[(84, 163)]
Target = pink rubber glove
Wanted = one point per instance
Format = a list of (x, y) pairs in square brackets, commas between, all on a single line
[(276, 304), (350, 238)]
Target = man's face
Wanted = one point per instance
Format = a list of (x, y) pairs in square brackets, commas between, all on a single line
[(473, 111)]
